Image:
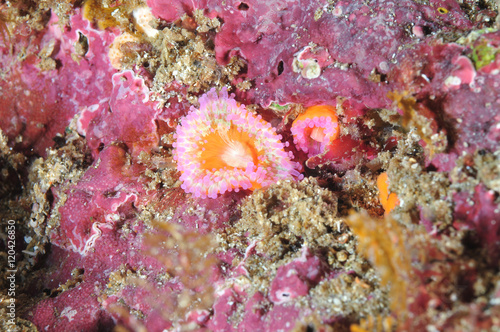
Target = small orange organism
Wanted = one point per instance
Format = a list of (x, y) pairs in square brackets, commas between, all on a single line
[(315, 129), (388, 200)]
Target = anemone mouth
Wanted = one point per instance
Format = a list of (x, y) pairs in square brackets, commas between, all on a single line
[(230, 149), (318, 134)]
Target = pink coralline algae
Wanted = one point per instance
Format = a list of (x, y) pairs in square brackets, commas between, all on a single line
[(463, 74), (470, 105), (222, 147), (483, 217), (259, 315), (128, 117), (272, 312), (296, 278), (116, 132), (53, 96), (104, 196), (79, 307), (350, 40)]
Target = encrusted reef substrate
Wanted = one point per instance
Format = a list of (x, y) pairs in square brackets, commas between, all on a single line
[(250, 165)]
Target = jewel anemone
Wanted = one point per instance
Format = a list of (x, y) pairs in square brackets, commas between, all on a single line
[(221, 147), (315, 129)]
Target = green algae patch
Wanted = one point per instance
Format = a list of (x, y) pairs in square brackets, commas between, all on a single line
[(484, 54)]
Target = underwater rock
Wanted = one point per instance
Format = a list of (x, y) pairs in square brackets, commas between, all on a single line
[(129, 244), (66, 69)]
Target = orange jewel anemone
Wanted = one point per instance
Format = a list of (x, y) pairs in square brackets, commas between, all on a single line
[(222, 147), (315, 129)]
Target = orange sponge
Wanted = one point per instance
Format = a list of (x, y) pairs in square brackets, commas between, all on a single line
[(388, 200)]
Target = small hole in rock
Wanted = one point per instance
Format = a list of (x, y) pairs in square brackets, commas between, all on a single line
[(310, 328), (427, 30), (243, 6), (84, 43), (280, 68)]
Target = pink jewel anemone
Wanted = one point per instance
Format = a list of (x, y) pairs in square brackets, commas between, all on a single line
[(315, 129), (221, 147)]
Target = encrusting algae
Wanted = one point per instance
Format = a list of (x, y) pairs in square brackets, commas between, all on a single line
[(289, 217), (208, 223)]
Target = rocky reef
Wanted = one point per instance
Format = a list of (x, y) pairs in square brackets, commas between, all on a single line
[(209, 165)]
